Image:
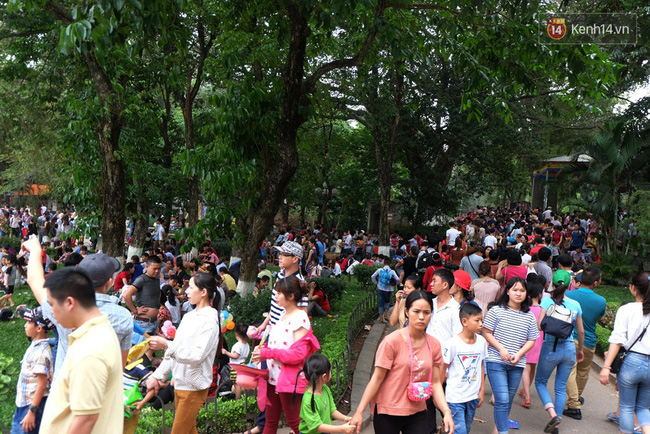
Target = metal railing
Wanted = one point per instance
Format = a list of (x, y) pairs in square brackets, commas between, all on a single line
[(341, 365)]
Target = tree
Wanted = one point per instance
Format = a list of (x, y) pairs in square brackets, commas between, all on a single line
[(620, 155)]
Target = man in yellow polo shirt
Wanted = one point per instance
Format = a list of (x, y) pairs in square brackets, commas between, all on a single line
[(86, 396)]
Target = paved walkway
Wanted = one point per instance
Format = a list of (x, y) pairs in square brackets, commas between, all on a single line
[(599, 400)]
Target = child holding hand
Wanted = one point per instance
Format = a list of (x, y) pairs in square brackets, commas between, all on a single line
[(318, 409)]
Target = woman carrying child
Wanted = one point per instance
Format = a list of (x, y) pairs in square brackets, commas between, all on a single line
[(318, 407), (395, 406), (510, 329)]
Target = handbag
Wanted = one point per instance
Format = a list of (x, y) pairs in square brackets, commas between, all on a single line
[(622, 352), (558, 322), (422, 390)]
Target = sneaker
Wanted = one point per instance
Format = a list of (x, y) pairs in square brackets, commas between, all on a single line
[(581, 400), (552, 424), (573, 413)]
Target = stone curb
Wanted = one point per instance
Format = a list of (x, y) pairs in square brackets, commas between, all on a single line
[(364, 368)]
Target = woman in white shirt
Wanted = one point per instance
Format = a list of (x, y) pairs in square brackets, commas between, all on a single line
[(190, 356), (633, 379)]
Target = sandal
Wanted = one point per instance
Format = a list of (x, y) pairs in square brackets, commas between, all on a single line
[(525, 403), (613, 417), (522, 393)]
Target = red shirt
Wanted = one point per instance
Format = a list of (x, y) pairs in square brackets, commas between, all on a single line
[(322, 301)]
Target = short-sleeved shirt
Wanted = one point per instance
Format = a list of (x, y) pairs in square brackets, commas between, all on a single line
[(445, 321), (394, 355), (572, 305), (593, 307), (148, 291), (136, 375), (123, 326), (324, 406), (465, 362), (470, 264), (276, 309), (543, 269), (90, 381), (243, 350), (119, 284), (37, 360), (512, 328), (281, 337)]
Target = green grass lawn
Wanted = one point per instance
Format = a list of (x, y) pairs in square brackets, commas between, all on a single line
[(615, 295), (13, 344)]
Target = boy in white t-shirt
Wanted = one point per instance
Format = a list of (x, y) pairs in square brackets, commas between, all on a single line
[(464, 357)]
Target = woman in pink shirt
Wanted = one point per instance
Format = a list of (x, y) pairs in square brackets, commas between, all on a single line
[(394, 371)]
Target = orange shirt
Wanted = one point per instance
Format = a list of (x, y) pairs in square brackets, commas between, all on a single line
[(393, 354)]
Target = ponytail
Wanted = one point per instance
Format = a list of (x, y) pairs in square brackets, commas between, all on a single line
[(558, 292), (641, 282)]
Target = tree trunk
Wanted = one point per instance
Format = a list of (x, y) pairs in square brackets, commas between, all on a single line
[(140, 220), (163, 126), (384, 156), (193, 181), (113, 187), (276, 179)]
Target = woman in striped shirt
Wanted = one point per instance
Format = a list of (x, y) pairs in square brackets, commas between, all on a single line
[(510, 329)]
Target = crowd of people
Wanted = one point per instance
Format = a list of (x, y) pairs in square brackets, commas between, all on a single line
[(502, 295)]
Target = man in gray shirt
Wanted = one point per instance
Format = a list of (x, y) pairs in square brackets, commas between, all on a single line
[(147, 296), (471, 262), (542, 268)]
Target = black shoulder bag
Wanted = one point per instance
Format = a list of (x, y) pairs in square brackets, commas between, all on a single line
[(622, 352)]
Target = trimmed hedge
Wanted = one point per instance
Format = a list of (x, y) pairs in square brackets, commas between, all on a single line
[(363, 273), (249, 309), (332, 287), (231, 417)]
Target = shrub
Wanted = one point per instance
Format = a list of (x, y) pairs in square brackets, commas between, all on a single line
[(7, 370), (602, 339), (363, 273), (249, 309), (617, 268), (13, 242), (231, 417), (333, 288), (222, 246)]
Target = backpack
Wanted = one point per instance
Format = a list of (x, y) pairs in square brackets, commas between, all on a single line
[(386, 278), (424, 262), (558, 323)]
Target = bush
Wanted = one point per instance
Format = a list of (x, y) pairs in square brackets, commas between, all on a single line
[(249, 309), (231, 417), (7, 370), (617, 268), (363, 273), (602, 339), (13, 242), (332, 287), (223, 247)]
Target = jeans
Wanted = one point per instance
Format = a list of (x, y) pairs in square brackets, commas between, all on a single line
[(383, 300), (504, 379), (19, 415), (147, 327), (563, 358), (634, 390), (463, 414)]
